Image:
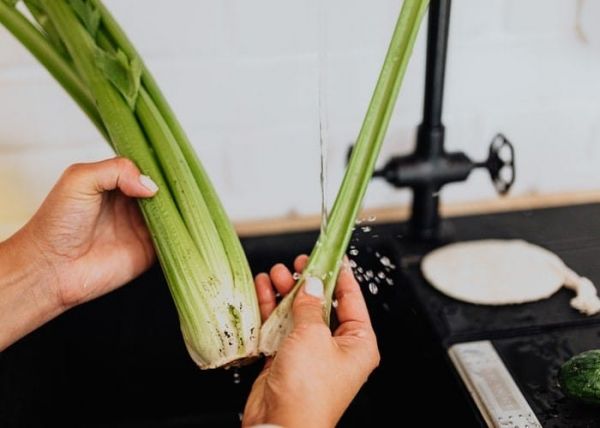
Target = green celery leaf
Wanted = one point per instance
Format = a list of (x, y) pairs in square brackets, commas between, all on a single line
[(88, 13), (124, 74)]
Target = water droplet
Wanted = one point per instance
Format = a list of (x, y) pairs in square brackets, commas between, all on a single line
[(360, 269), (359, 278), (380, 274), (334, 303), (386, 262), (373, 288), (353, 264), (390, 281), (358, 221), (369, 274), (377, 254), (236, 377), (366, 228), (371, 218), (296, 276), (353, 252)]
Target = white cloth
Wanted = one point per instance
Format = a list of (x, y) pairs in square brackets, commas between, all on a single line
[(500, 272)]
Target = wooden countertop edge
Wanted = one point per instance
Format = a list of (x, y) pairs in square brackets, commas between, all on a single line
[(401, 213)]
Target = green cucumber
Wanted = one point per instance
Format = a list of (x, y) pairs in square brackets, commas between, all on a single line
[(579, 377)]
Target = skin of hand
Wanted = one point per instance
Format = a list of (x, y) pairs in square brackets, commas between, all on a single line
[(315, 374), (87, 238)]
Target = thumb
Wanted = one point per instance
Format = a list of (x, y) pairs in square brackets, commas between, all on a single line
[(308, 307), (117, 173)]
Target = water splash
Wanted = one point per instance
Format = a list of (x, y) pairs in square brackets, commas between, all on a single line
[(386, 262), (373, 289)]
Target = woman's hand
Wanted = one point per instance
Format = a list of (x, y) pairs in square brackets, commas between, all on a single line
[(87, 238), (315, 374)]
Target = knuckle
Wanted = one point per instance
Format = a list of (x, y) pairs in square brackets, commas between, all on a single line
[(309, 328), (74, 169), (309, 305), (124, 163), (72, 172)]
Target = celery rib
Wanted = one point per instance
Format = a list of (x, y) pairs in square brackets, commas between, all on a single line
[(325, 259)]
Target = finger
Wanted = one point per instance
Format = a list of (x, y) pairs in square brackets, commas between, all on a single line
[(308, 305), (117, 173), (282, 279), (265, 294), (351, 303), (300, 262)]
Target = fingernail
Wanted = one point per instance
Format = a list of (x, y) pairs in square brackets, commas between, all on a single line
[(314, 287), (148, 183)]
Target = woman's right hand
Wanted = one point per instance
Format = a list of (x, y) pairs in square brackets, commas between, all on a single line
[(315, 374)]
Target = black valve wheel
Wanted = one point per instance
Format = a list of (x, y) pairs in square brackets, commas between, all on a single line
[(501, 163)]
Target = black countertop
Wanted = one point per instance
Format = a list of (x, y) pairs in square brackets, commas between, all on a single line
[(120, 360)]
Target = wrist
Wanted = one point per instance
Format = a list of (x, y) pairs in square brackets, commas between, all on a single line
[(28, 295)]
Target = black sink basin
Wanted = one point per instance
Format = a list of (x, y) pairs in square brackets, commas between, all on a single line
[(120, 360)]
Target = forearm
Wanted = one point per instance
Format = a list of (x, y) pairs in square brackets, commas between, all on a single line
[(27, 298)]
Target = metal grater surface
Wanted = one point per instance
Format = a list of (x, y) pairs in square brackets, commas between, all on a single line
[(491, 386)]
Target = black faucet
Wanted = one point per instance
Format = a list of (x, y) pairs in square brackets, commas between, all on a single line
[(430, 167)]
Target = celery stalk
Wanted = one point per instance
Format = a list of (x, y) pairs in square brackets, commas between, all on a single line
[(235, 254), (325, 259)]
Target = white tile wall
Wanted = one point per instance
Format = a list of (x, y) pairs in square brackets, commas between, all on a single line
[(242, 76)]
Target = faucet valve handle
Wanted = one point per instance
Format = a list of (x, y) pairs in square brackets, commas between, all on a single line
[(501, 163)]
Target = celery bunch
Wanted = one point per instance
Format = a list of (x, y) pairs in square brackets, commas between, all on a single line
[(84, 48)]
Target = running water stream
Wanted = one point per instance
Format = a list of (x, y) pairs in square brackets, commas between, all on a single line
[(323, 119)]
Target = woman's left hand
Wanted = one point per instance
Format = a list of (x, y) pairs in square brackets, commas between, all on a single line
[(87, 238)]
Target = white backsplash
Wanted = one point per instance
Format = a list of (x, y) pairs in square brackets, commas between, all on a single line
[(242, 76)]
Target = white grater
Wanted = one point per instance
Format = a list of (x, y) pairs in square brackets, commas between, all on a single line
[(490, 384)]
